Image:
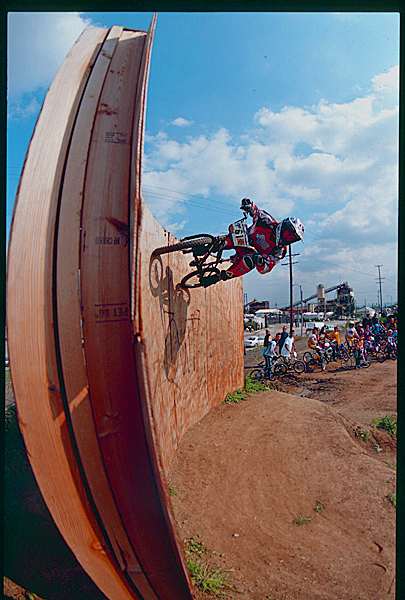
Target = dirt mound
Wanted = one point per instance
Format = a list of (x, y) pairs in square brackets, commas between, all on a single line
[(280, 487)]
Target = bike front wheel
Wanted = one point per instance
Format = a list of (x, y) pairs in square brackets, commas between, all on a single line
[(299, 366), (186, 244)]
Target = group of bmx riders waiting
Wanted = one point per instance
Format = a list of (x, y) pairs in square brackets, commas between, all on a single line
[(360, 338)]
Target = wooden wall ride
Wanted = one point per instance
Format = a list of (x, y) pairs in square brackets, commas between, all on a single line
[(111, 360)]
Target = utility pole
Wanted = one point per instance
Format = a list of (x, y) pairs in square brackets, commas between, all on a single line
[(291, 290), (291, 263), (301, 311), (379, 278)]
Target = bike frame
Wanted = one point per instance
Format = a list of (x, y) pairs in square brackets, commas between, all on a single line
[(238, 237)]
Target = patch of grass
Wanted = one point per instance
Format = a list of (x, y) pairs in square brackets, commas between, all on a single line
[(302, 520), (211, 580), (255, 386), (391, 464), (193, 546), (389, 423), (393, 499), (377, 448), (320, 506), (363, 434), (236, 396), (250, 387), (172, 491), (208, 580)]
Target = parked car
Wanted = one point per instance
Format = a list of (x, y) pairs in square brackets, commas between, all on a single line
[(251, 341)]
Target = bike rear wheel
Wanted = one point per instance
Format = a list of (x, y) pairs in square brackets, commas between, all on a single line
[(299, 366), (185, 244), (195, 278)]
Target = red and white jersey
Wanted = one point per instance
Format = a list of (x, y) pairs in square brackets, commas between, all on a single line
[(263, 232)]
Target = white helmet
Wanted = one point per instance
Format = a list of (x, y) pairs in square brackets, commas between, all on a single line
[(289, 230)]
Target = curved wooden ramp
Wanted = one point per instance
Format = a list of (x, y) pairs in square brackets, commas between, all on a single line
[(111, 360)]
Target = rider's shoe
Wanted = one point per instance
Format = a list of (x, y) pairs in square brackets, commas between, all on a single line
[(210, 280)]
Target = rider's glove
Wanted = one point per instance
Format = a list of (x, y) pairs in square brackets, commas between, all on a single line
[(247, 205)]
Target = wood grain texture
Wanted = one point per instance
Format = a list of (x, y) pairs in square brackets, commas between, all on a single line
[(69, 327), (30, 319), (192, 340)]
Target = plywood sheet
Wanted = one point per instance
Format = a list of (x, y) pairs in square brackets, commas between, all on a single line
[(30, 317)]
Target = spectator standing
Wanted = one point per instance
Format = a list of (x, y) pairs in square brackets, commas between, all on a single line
[(267, 338), (270, 355), (283, 337)]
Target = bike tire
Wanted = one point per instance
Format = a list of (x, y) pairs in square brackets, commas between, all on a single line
[(185, 244), (365, 363), (299, 366), (280, 369), (193, 279), (380, 356), (348, 363), (311, 365), (256, 375), (307, 356)]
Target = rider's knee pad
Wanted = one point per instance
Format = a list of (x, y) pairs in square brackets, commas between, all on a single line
[(241, 265), (249, 261)]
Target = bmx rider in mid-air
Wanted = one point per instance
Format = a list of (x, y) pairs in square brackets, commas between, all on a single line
[(269, 240)]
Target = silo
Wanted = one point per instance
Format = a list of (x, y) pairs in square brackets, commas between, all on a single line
[(321, 299)]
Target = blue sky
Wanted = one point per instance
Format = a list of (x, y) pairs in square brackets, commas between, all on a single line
[(298, 111)]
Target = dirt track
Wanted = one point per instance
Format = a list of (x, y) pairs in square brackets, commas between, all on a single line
[(242, 476), (247, 471)]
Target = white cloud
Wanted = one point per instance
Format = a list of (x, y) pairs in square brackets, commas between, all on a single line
[(180, 122), (24, 111), (387, 82), (51, 34)]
